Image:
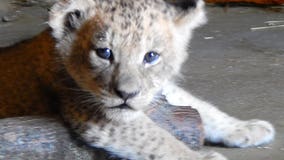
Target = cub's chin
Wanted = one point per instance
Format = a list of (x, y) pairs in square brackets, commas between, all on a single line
[(122, 113)]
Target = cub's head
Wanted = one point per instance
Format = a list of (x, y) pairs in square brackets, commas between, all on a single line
[(121, 51)]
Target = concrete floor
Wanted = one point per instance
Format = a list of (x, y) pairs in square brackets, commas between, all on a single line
[(239, 70)]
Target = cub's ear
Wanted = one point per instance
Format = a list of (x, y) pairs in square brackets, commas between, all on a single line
[(188, 15), (73, 20), (67, 16), (183, 4)]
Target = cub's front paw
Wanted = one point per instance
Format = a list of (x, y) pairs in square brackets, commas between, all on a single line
[(249, 133), (212, 156)]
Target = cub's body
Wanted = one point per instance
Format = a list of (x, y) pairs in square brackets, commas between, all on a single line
[(116, 59)]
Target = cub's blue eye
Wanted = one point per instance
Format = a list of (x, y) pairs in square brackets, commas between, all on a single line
[(104, 53), (151, 57)]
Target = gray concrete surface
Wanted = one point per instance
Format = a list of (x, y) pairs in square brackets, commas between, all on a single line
[(20, 21), (239, 70)]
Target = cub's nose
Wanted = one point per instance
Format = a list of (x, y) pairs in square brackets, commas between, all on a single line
[(125, 95)]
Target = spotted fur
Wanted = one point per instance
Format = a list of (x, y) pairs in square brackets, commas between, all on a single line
[(105, 99)]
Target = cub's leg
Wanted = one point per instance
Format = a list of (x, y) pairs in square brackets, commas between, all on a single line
[(139, 139), (219, 126)]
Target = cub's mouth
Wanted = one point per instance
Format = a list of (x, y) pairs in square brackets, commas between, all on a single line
[(122, 106)]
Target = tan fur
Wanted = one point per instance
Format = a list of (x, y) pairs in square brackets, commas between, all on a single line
[(90, 87)]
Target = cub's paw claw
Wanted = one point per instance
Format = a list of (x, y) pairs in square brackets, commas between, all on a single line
[(212, 156), (250, 133)]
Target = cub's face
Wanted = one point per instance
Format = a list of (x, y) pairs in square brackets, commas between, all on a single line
[(123, 52)]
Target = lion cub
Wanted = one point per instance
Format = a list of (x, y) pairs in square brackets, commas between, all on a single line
[(120, 57)]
